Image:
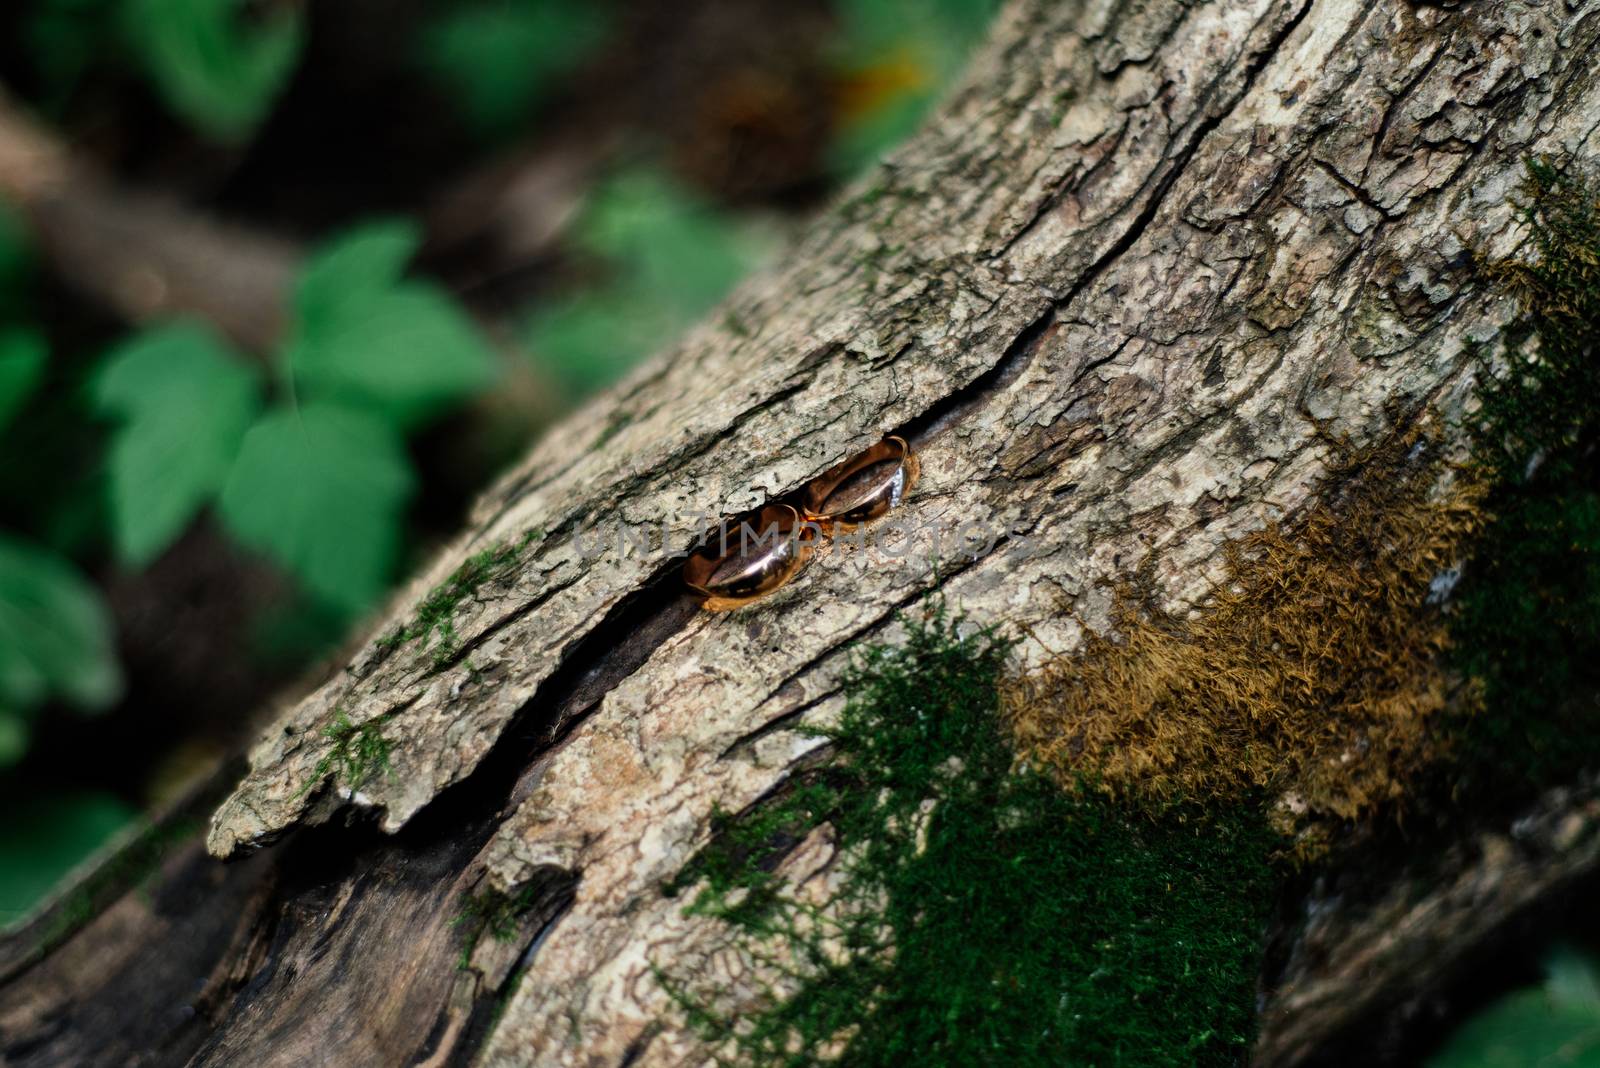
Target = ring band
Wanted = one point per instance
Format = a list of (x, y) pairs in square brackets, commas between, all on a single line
[(840, 499), (726, 576), (863, 489)]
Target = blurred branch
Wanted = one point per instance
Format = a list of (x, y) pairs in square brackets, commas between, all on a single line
[(144, 256), (1363, 960), (496, 222), (141, 255)]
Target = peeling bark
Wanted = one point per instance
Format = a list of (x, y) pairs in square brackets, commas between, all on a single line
[(1118, 294)]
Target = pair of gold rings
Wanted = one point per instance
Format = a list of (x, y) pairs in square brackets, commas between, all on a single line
[(734, 572)]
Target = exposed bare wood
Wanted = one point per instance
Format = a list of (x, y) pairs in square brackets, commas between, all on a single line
[(1358, 959)]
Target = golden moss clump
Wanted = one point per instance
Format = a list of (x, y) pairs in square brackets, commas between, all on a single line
[(1312, 673)]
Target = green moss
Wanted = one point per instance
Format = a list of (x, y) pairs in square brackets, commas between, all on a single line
[(1528, 629), (869, 196), (503, 997), (435, 616), (736, 877), (1539, 412), (1527, 626), (355, 753), (493, 913), (1010, 923), (1063, 102)]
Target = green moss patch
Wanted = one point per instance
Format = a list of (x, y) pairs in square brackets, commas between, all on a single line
[(434, 622), (356, 753), (985, 911), (494, 913), (1527, 626), (986, 916)]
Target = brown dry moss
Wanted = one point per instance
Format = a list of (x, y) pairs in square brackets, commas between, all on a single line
[(1312, 673)]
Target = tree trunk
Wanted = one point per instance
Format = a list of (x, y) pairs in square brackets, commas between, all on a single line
[(1120, 294)]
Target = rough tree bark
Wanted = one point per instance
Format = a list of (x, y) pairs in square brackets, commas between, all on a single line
[(1117, 293)]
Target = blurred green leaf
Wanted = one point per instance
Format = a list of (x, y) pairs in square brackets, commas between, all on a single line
[(665, 239), (499, 59), (863, 141), (896, 56), (16, 251), (943, 29), (591, 339), (297, 630), (55, 633), (366, 336), (15, 732), (320, 490), (1557, 1024), (184, 402), (16, 266), (64, 39), (356, 266), (44, 838), (22, 358), (671, 257), (214, 64)]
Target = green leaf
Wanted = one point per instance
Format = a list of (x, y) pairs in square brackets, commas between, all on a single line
[(64, 40), (359, 265), (16, 266), (44, 838), (320, 490), (22, 358), (666, 240), (213, 66), (55, 633), (1557, 1024), (588, 345), (16, 251), (499, 59), (948, 28), (367, 337), (897, 55), (863, 141), (184, 402), (672, 258), (15, 733)]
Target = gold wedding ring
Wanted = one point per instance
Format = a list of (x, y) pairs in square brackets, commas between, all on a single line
[(863, 489), (752, 560), (748, 564)]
